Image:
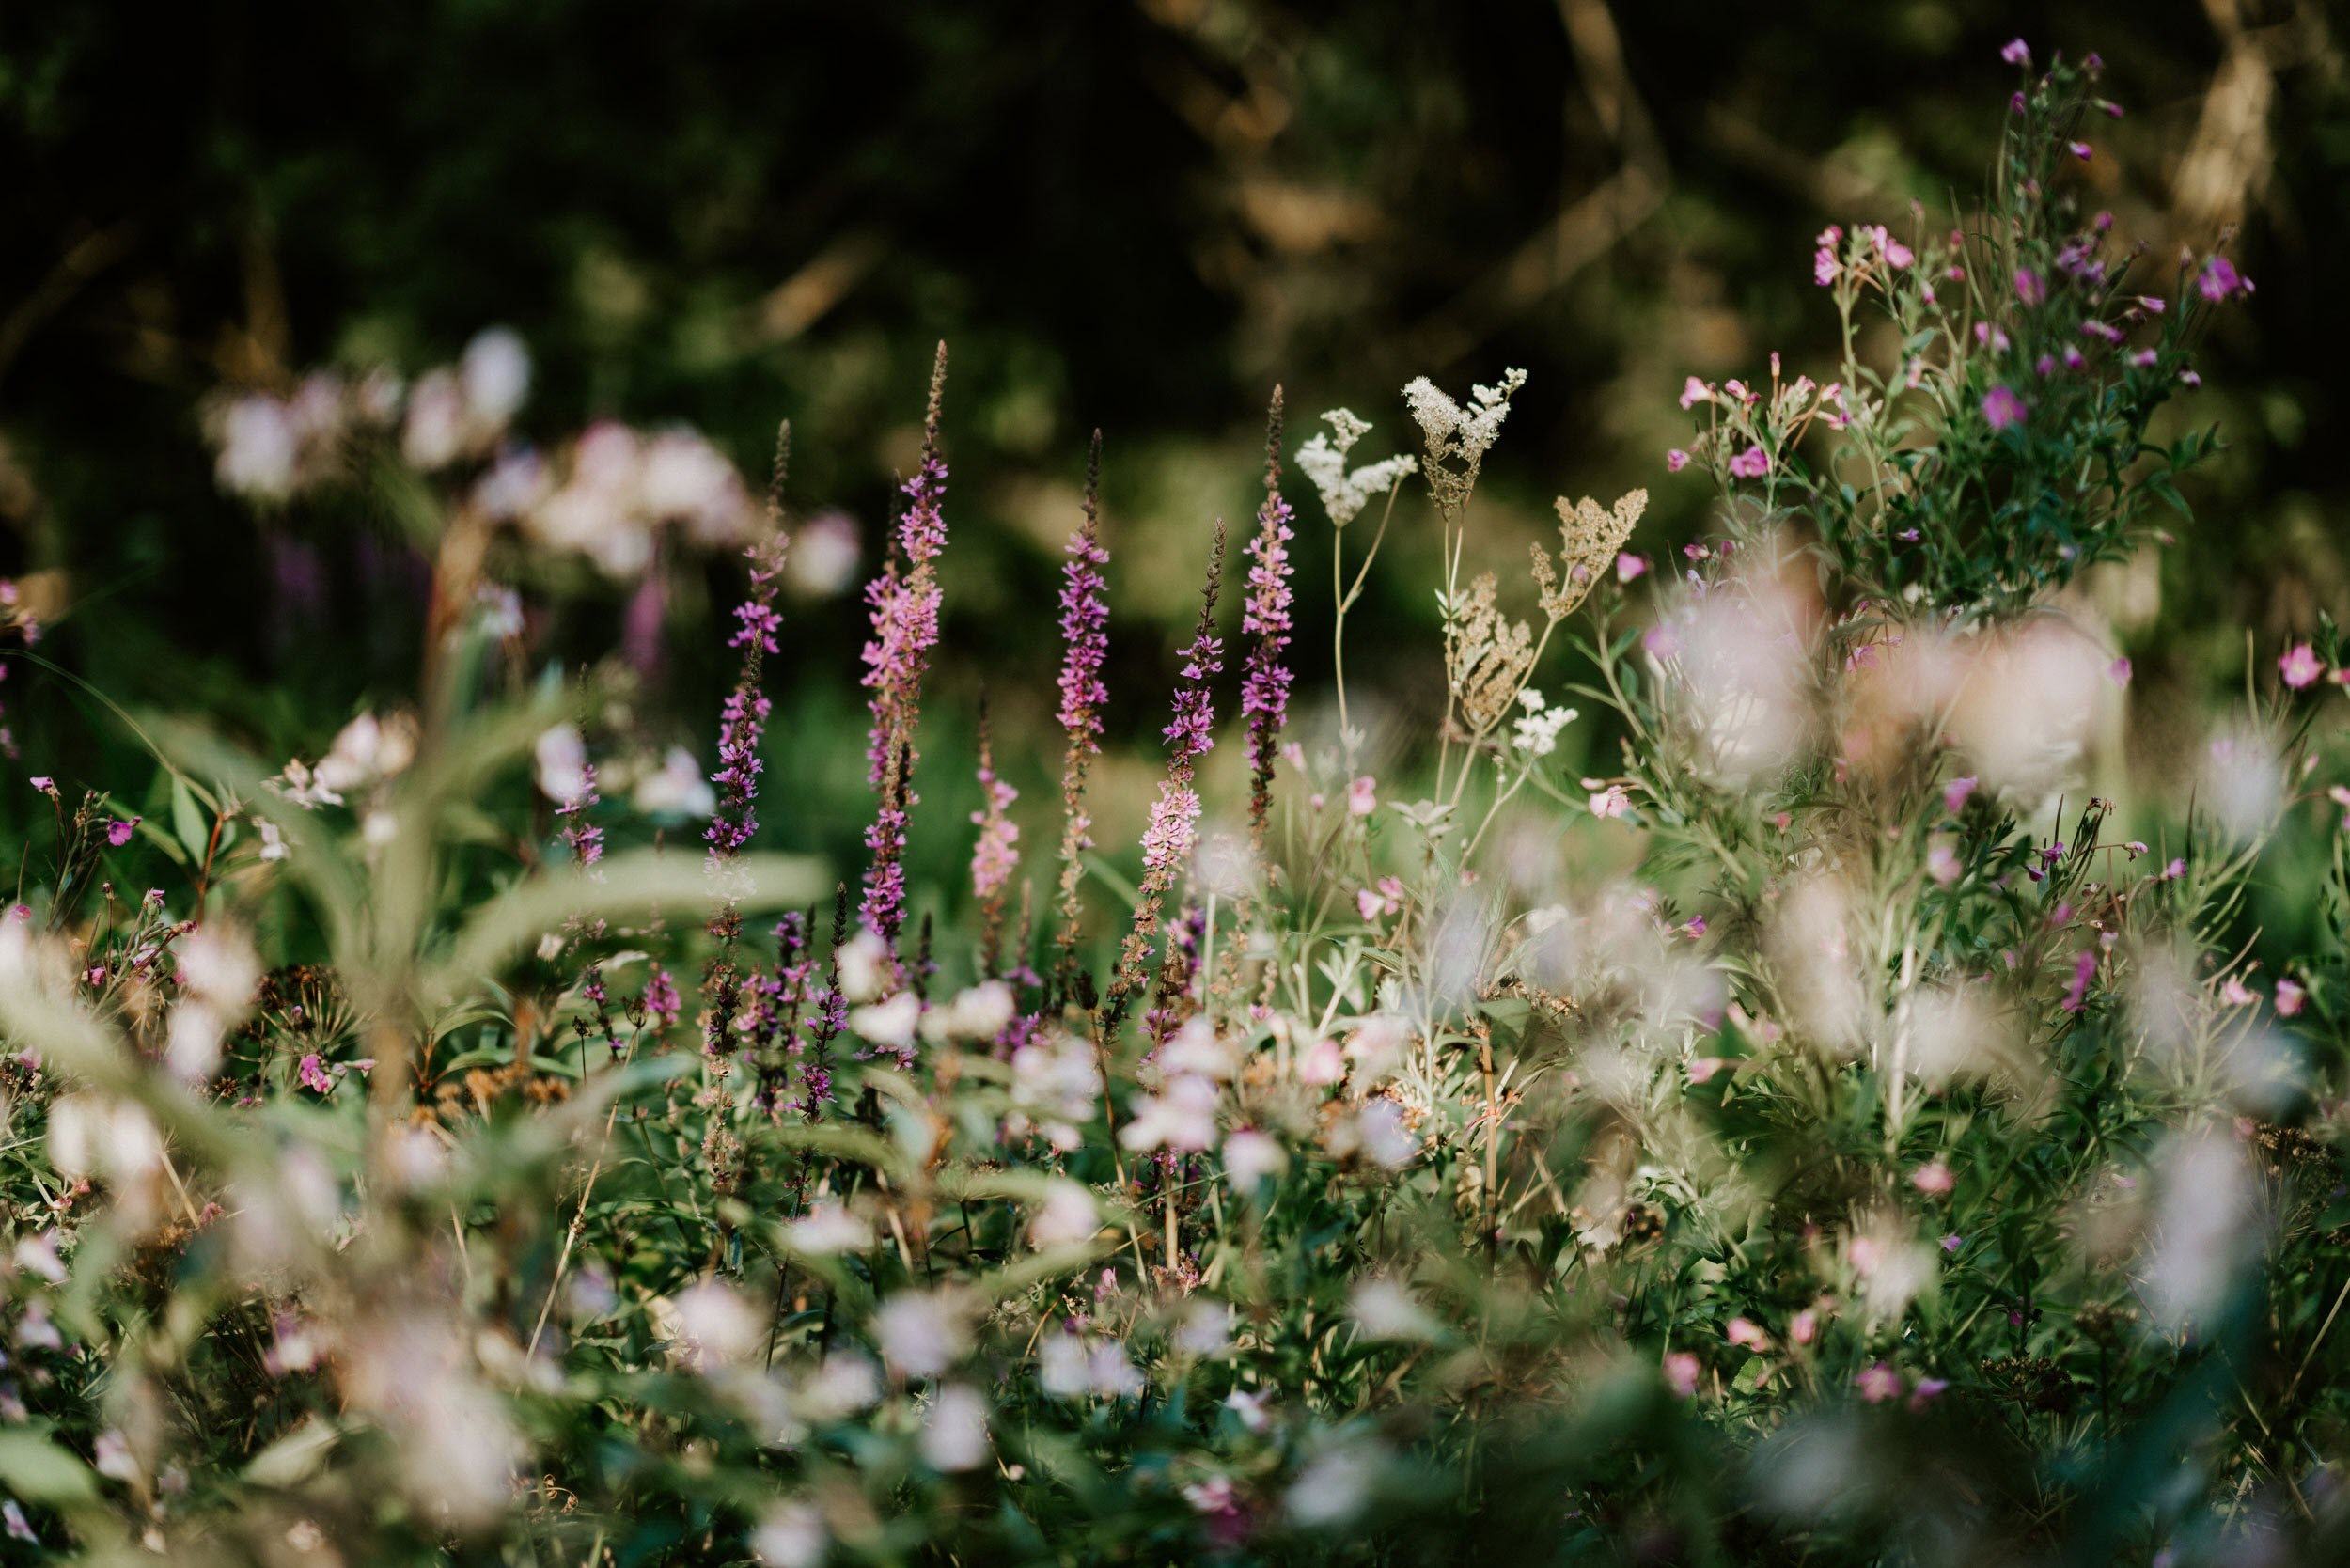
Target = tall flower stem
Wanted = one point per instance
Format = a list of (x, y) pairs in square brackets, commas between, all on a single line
[(1085, 620), (1167, 844), (904, 599)]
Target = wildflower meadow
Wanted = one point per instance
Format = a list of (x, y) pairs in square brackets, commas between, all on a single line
[(1703, 1050)]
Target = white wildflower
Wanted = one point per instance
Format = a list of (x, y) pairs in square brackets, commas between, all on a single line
[(1323, 460)]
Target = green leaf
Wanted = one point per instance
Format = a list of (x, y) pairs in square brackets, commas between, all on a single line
[(41, 1470)]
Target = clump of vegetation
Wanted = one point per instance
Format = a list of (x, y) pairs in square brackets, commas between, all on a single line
[(1820, 1141)]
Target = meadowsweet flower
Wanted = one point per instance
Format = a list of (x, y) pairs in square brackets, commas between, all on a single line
[(2299, 666), (1265, 616), (1458, 438), (1323, 460), (1538, 727), (1752, 463)]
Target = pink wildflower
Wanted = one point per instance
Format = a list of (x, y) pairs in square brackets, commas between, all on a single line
[(1879, 1383), (118, 831), (1695, 391), (1752, 463), (1935, 1180), (1266, 685), (2002, 408), (1681, 1374), (1675, 460), (1362, 796), (1629, 566), (2289, 998), (2299, 666), (2015, 51)]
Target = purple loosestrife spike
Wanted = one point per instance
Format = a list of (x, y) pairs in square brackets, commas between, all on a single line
[(744, 719), (585, 838), (904, 600), (1265, 687), (743, 722), (998, 855), (1085, 630), (1167, 844)]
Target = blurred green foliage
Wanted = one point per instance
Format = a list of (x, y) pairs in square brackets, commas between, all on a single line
[(1135, 217)]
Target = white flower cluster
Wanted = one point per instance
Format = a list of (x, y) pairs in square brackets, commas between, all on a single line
[(1539, 726), (1346, 494)]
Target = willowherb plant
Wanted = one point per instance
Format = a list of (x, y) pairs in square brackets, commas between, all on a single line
[(1827, 1140)]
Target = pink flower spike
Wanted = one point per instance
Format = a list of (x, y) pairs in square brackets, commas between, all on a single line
[(2299, 665), (1675, 460), (1630, 566), (118, 831)]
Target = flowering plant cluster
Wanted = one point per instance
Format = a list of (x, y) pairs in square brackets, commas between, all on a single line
[(1826, 1133)]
